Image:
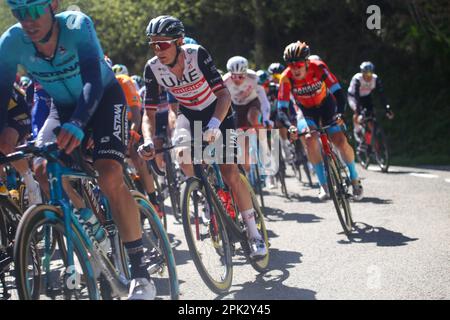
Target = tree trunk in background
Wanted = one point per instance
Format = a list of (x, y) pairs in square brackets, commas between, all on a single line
[(258, 19)]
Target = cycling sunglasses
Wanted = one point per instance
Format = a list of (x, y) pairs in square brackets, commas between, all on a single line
[(161, 45), (34, 12), (297, 64), (237, 76)]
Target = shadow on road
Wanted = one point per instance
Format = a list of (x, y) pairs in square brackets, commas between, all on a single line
[(269, 286), (365, 233), (375, 200), (181, 256), (274, 214)]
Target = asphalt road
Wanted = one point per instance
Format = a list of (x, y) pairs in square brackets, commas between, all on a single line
[(399, 250)]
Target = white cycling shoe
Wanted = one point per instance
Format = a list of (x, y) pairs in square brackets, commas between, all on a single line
[(324, 193), (257, 248), (142, 289)]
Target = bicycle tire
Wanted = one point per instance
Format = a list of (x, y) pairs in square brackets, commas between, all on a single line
[(381, 156), (32, 219), (222, 285), (261, 264), (164, 248), (338, 193)]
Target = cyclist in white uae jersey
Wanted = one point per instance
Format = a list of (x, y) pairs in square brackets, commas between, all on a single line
[(249, 101), (189, 74)]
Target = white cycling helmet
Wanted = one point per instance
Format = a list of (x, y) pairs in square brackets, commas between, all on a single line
[(120, 69), (237, 64), (314, 57)]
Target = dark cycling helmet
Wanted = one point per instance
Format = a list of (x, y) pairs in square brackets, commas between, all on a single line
[(296, 51), (16, 4), (138, 80), (276, 68), (189, 40), (367, 66), (165, 26), (263, 76)]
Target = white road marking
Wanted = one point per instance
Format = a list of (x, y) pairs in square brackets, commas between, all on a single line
[(424, 175), (447, 180)]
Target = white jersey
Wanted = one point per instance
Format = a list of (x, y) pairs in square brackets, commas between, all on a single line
[(195, 90), (365, 87), (248, 91)]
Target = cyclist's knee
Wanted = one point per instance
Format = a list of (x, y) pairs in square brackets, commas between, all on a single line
[(110, 175), (230, 174)]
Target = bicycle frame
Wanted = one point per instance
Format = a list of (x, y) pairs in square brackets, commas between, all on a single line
[(234, 233), (117, 280)]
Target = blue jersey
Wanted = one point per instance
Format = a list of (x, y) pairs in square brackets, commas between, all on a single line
[(78, 60)]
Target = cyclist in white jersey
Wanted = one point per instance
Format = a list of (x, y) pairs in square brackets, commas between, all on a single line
[(189, 74), (360, 94)]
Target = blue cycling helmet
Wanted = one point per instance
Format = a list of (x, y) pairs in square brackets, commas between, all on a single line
[(189, 40), (263, 76), (367, 66), (16, 4)]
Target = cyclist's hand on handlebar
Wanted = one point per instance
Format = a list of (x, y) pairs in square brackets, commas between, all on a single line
[(211, 135), (293, 133), (211, 131), (147, 150), (389, 114), (69, 137), (338, 119), (268, 124)]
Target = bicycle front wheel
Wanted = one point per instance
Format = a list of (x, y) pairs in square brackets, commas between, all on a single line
[(206, 236), (339, 191), (381, 150), (41, 271)]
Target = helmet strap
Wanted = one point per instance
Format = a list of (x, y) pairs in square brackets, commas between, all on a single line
[(171, 65), (49, 34)]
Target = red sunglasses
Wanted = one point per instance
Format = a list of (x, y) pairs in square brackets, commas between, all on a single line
[(297, 64), (161, 45)]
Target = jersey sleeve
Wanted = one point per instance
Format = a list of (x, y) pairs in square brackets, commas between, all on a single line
[(131, 93), (265, 104), (329, 78), (151, 100), (284, 92), (81, 28), (209, 70), (8, 67)]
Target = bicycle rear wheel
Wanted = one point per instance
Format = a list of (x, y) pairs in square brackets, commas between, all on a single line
[(158, 253), (206, 236), (338, 187), (261, 264)]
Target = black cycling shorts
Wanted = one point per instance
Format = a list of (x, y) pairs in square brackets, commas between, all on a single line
[(109, 124), (227, 128)]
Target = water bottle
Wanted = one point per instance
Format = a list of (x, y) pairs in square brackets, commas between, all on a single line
[(88, 218)]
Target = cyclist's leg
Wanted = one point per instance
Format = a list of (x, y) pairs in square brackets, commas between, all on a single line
[(45, 135), (339, 139), (313, 148), (182, 135), (110, 121), (9, 138), (356, 126), (231, 176)]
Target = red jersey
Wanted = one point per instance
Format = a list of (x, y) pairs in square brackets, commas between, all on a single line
[(310, 91)]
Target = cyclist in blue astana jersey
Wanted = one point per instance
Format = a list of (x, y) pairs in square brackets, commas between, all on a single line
[(62, 52)]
